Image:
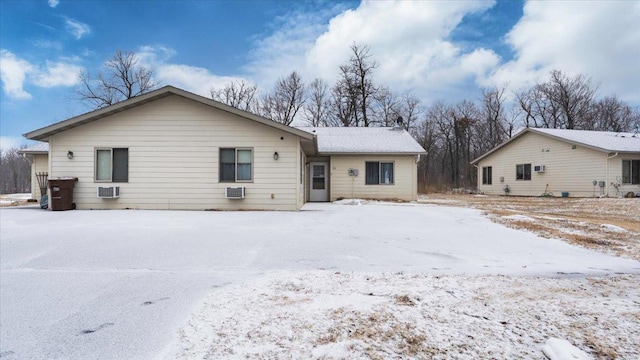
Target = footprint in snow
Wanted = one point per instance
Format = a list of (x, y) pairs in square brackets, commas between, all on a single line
[(150, 302), (91, 331)]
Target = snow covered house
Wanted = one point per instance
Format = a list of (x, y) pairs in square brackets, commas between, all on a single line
[(560, 162), (171, 149)]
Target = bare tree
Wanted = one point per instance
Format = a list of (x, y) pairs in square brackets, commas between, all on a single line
[(285, 100), (426, 134), (562, 102), (538, 111), (15, 172), (441, 115), (572, 95), (410, 109), (355, 90), (494, 128), (123, 78), (316, 110), (344, 103), (465, 117), (387, 109), (611, 114), (238, 94)]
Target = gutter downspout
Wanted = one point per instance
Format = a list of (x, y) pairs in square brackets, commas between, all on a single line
[(607, 167)]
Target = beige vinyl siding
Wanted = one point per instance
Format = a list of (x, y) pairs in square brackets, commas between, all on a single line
[(39, 163), (345, 186), (567, 169), (174, 158)]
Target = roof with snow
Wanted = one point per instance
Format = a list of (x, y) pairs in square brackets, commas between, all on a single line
[(37, 148), (364, 140), (605, 141)]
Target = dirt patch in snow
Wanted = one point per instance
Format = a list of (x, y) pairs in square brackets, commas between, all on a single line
[(609, 225), (326, 315)]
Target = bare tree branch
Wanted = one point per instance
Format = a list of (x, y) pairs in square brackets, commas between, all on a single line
[(123, 78)]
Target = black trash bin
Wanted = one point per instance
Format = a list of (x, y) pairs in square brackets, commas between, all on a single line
[(62, 193)]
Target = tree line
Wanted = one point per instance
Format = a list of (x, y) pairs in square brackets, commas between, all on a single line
[(15, 172), (452, 133)]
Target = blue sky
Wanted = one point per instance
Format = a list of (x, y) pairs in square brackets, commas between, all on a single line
[(437, 50)]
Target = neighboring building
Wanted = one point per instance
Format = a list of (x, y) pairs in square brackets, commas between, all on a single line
[(171, 149), (39, 159), (578, 162)]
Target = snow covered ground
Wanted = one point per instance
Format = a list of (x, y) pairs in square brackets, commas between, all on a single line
[(333, 315), (123, 284), (13, 199)]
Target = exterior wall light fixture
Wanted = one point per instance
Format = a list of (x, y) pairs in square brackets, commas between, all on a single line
[(70, 154), (276, 156)]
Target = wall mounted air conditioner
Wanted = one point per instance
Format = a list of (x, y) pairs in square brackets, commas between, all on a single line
[(539, 168), (109, 192), (234, 192)]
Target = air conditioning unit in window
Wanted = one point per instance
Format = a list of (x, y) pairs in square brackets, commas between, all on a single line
[(234, 192), (538, 168), (109, 192)]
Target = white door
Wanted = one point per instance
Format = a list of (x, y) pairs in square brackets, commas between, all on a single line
[(319, 180)]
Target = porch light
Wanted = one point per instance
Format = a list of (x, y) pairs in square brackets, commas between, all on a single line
[(275, 156), (70, 154)]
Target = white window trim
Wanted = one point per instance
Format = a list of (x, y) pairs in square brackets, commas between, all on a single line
[(235, 180), (380, 172), (95, 170)]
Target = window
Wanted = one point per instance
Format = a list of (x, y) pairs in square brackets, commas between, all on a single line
[(631, 171), (486, 175), (235, 165), (378, 173), (523, 172), (112, 164)]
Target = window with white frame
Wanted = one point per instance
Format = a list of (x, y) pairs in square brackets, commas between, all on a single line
[(486, 175), (112, 165), (236, 165), (523, 172), (631, 172), (378, 173)]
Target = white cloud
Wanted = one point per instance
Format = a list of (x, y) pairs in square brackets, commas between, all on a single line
[(76, 28), (53, 3), (8, 142), (598, 39), (195, 79), (16, 72), (409, 40), (285, 50), (13, 72), (58, 74)]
